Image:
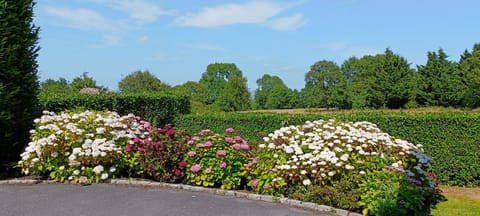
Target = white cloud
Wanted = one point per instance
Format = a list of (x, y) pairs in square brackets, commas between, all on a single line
[(138, 10), (80, 18), (89, 20), (254, 12), (288, 23)]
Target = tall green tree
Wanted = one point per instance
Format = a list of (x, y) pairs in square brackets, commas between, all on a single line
[(440, 81), (367, 81), (400, 85), (272, 93), (469, 67), (18, 77), (215, 78), (234, 95), (325, 86), (141, 81)]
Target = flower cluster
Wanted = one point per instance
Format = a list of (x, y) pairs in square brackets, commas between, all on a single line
[(216, 160), (160, 154), (70, 145), (322, 151)]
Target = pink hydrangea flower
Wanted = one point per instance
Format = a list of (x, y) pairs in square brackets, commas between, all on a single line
[(208, 144), (244, 147), (195, 168), (238, 138), (221, 152), (229, 130), (178, 172), (200, 145), (237, 146), (255, 183), (222, 165), (140, 149), (229, 139), (191, 153)]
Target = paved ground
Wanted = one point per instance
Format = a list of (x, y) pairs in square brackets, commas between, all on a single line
[(111, 200)]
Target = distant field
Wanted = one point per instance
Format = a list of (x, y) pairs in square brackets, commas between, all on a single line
[(333, 110)]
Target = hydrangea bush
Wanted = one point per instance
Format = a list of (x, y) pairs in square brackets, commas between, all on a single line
[(321, 153), (215, 160), (71, 146), (160, 154)]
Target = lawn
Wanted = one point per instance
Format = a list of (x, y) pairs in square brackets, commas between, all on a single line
[(461, 202)]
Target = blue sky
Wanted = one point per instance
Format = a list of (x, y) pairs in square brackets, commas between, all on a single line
[(176, 40)]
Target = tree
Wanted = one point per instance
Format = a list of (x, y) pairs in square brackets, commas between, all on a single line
[(272, 93), (440, 81), (141, 81), (197, 93), (325, 86), (234, 96), (84, 81), (400, 86), (18, 77), (469, 67), (60, 86), (281, 97), (215, 78), (367, 89)]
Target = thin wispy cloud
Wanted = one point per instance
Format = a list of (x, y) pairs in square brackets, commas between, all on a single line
[(80, 18), (139, 10), (255, 12), (288, 23), (88, 20)]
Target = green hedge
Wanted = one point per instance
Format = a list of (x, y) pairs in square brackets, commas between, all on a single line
[(451, 138), (159, 109)]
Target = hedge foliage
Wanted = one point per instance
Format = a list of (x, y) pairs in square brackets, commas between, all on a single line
[(452, 139), (158, 109)]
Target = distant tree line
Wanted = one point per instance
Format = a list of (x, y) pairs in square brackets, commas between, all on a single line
[(384, 80)]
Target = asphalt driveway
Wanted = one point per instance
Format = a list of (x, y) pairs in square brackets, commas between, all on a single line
[(115, 200)]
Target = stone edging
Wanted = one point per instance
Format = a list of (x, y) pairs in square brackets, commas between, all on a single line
[(239, 194)]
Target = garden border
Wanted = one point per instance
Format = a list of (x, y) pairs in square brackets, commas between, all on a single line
[(238, 194)]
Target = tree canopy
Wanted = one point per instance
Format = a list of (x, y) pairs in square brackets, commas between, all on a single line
[(141, 81)]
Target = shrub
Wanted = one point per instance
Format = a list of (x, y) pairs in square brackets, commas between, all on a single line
[(160, 154), (451, 138), (215, 160), (324, 152), (159, 109), (68, 146)]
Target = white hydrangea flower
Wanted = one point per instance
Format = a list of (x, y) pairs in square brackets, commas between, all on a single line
[(98, 169)]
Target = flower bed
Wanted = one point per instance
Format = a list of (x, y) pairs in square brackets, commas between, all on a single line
[(70, 145), (354, 166)]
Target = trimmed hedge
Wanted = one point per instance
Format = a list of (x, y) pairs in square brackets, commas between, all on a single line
[(452, 139), (158, 109)]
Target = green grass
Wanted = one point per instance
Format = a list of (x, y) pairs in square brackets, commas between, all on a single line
[(458, 205)]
